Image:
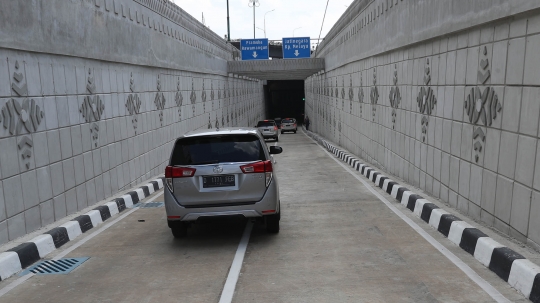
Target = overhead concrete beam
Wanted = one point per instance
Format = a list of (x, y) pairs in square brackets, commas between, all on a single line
[(294, 69)]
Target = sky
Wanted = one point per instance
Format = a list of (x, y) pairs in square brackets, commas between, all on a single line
[(302, 18)]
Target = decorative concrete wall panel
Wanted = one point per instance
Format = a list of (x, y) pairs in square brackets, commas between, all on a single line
[(467, 124), (78, 124)]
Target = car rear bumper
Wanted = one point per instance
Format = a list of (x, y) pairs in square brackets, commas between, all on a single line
[(176, 212)]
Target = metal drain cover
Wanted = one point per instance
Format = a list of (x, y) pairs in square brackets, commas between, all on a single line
[(149, 205), (55, 267)]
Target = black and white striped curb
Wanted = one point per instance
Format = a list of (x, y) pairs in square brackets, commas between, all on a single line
[(509, 265), (24, 255)]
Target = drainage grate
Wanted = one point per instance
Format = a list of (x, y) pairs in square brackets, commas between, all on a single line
[(149, 205), (55, 267)]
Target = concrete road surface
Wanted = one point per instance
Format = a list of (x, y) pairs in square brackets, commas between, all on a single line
[(338, 243)]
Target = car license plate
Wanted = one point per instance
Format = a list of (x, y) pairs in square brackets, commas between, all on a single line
[(218, 181), (266, 130)]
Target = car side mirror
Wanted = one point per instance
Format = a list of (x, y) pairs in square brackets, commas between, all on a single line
[(274, 150)]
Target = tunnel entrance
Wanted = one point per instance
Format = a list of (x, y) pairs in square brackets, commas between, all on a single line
[(285, 99)]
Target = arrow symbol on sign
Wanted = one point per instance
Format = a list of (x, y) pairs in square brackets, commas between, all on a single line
[(296, 53), (254, 54)]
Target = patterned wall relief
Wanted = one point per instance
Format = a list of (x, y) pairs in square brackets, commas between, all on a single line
[(193, 97), (209, 122), (351, 94), (203, 97), (212, 95), (337, 92), (21, 112), (92, 108), (361, 94), (482, 104), (426, 101), (395, 98), (342, 93), (133, 104), (374, 95), (178, 98), (159, 101)]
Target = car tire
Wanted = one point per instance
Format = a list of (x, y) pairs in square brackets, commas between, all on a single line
[(272, 223), (295, 132), (179, 230), (282, 132)]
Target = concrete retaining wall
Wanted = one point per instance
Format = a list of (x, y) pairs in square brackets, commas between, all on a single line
[(92, 93), (444, 94)]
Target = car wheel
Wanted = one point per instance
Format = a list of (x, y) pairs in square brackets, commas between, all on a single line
[(179, 230), (272, 223), (282, 132), (295, 132)]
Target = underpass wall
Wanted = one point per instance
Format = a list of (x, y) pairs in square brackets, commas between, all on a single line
[(443, 94), (93, 94)]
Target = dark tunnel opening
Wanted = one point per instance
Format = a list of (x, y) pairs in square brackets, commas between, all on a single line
[(285, 99)]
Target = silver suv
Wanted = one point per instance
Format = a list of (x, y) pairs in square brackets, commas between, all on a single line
[(288, 125), (223, 172), (268, 129)]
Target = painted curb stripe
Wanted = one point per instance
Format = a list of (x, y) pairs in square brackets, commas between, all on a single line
[(426, 211), (484, 250), (44, 244), (59, 236), (469, 239), (400, 192), (84, 222), (411, 203), (104, 212), (146, 191), (134, 197), (120, 204), (9, 264), (73, 229), (95, 217), (522, 275), (446, 223), (395, 189), (113, 208), (501, 261), (28, 253), (456, 231)]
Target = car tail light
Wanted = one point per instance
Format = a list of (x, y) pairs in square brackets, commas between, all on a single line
[(259, 167), (275, 128), (172, 172)]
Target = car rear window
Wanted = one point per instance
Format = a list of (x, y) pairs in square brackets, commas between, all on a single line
[(286, 121), (217, 149), (265, 123)]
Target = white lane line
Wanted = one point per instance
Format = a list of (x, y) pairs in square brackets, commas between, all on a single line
[(80, 242), (488, 288), (234, 272)]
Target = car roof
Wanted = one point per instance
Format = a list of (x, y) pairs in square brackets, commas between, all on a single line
[(221, 131)]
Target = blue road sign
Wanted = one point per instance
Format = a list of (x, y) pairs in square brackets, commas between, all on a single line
[(254, 49), (295, 48)]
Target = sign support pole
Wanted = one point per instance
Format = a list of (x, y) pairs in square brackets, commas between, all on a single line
[(228, 24)]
